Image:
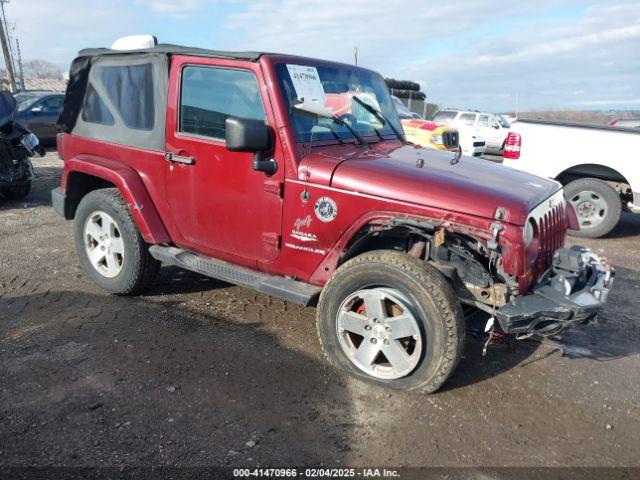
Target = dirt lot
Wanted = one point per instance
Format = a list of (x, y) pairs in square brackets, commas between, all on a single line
[(198, 372)]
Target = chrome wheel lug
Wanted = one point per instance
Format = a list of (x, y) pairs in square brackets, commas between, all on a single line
[(388, 329), (373, 340), (386, 342)]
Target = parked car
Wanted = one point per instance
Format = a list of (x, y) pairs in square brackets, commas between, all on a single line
[(38, 112), (235, 165), (441, 137), (430, 135), (626, 122), (592, 162), (493, 128)]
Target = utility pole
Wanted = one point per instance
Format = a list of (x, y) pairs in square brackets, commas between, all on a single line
[(355, 55), (22, 87), (6, 51)]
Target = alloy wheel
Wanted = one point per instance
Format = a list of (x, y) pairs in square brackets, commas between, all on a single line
[(379, 334), (103, 244)]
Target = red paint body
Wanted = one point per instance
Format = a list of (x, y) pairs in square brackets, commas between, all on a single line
[(220, 207)]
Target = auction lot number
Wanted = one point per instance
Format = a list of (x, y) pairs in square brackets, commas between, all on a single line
[(315, 472)]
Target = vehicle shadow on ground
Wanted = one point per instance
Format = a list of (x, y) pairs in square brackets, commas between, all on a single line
[(174, 280), (109, 381), (628, 226), (501, 355), (47, 178)]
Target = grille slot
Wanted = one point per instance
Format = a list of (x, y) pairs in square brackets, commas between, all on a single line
[(551, 233)]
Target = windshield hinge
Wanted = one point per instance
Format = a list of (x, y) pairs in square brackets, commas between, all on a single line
[(274, 187)]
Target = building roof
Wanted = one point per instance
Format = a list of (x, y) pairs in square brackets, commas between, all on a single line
[(46, 84)]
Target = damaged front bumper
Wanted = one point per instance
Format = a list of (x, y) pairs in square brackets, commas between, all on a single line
[(572, 291)]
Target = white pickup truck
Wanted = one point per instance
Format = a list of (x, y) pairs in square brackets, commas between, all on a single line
[(599, 167)]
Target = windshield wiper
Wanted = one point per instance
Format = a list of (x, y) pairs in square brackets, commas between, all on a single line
[(344, 123), (380, 116), (324, 112)]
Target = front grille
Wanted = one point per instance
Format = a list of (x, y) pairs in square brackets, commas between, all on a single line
[(551, 221), (478, 144), (450, 139)]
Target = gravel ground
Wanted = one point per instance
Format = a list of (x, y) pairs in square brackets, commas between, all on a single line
[(198, 372)]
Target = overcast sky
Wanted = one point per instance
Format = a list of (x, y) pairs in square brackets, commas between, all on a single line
[(475, 54)]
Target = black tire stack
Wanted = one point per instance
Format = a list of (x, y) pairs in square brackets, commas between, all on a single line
[(405, 89)]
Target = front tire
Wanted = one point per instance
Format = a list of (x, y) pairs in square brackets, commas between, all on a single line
[(597, 205), (393, 320), (110, 247)]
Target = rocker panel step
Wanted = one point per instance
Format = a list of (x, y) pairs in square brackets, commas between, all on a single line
[(285, 288)]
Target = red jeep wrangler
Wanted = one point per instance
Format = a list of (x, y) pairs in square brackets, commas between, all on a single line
[(291, 176)]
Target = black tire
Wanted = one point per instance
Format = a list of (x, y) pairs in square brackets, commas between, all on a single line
[(432, 301), (604, 193), (16, 192), (138, 268)]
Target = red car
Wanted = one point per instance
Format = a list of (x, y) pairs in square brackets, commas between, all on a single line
[(235, 165)]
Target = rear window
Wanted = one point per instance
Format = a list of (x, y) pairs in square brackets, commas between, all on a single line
[(444, 117)]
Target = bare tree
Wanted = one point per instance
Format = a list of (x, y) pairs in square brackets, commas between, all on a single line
[(41, 69)]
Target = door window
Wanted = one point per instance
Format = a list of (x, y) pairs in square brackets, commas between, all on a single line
[(468, 118), (493, 122), (483, 121), (52, 105), (209, 95)]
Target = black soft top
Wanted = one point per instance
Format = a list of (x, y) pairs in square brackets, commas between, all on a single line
[(159, 56), (169, 49)]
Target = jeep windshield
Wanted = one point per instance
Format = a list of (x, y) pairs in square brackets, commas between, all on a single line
[(315, 94)]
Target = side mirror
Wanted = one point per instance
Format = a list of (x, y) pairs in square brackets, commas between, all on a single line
[(248, 135), (36, 110)]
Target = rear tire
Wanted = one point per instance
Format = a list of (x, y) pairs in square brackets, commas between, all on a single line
[(597, 205), (417, 354), (110, 247), (17, 192)]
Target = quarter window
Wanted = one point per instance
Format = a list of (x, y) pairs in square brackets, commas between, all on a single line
[(210, 95), (94, 109), (130, 89), (468, 118)]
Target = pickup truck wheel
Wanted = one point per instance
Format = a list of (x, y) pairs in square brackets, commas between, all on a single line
[(17, 192), (597, 205), (390, 319), (110, 247)]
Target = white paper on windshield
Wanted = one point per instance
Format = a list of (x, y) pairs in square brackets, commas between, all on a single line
[(308, 87)]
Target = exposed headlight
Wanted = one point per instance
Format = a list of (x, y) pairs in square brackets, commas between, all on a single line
[(531, 245), (437, 139), (528, 233)]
